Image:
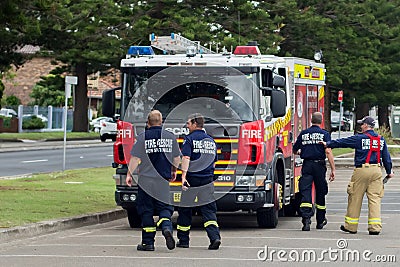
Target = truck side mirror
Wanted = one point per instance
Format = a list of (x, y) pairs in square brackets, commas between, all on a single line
[(108, 102), (278, 103), (278, 81)]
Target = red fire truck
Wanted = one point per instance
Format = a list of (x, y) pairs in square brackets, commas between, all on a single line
[(255, 106)]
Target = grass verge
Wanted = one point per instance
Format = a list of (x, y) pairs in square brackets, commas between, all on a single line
[(56, 195), (48, 135), (340, 151)]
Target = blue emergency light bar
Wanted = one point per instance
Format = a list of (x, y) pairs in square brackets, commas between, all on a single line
[(137, 50)]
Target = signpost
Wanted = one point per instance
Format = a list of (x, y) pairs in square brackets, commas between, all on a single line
[(69, 81), (340, 99)]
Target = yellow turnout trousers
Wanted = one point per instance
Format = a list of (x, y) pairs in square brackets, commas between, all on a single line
[(366, 179)]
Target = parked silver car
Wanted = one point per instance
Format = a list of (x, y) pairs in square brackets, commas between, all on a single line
[(345, 124)]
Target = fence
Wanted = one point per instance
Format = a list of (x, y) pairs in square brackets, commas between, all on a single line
[(52, 117)]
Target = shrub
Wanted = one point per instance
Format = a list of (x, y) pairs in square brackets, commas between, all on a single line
[(33, 123)]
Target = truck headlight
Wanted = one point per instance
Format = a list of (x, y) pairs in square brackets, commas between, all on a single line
[(253, 180), (245, 181)]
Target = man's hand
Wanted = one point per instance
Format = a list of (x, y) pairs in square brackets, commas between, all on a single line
[(128, 179), (332, 176), (185, 184), (386, 179), (173, 176)]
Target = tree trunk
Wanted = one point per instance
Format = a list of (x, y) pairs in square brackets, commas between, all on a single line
[(81, 123), (327, 109), (383, 116), (362, 110)]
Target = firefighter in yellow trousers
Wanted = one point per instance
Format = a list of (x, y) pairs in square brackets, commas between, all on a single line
[(370, 148)]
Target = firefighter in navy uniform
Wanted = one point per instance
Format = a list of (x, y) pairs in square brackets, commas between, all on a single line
[(367, 176), (199, 154), (313, 153), (156, 155)]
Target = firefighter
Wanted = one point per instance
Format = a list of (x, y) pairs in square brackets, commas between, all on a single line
[(199, 154), (156, 155), (313, 153), (370, 148)]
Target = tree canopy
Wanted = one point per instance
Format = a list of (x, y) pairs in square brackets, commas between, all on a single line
[(359, 39)]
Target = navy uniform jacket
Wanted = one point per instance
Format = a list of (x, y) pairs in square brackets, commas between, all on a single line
[(156, 149), (202, 150), (361, 144), (309, 142)]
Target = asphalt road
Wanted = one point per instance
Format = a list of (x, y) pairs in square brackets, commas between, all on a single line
[(243, 244), (49, 160)]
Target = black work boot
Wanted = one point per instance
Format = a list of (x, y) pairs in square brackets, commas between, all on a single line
[(169, 239), (322, 224), (306, 224), (182, 245), (214, 245), (144, 247)]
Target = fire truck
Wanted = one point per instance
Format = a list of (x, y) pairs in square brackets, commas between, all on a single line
[(254, 107)]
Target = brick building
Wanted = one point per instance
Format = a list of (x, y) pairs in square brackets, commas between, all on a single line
[(27, 75)]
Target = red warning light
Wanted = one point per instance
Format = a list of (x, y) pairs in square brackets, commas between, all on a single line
[(247, 50)]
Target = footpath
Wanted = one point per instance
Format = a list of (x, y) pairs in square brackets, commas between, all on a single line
[(52, 226), (29, 145)]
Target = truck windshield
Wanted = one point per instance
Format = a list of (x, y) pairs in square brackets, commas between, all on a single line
[(219, 93)]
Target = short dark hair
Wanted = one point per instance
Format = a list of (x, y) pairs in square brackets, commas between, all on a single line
[(316, 118), (197, 118)]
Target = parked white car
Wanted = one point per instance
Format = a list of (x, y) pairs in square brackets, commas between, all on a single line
[(8, 112), (108, 129), (95, 123)]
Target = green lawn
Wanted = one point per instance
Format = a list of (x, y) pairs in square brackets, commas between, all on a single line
[(56, 195), (48, 135), (341, 151)]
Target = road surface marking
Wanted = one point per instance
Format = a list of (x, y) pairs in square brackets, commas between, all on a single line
[(34, 161)]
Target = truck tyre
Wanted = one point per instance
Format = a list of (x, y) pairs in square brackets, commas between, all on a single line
[(133, 218), (293, 209), (268, 217)]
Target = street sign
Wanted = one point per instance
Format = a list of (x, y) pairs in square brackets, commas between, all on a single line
[(340, 96)]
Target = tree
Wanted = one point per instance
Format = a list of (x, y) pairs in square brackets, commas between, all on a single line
[(50, 90), (16, 29), (83, 33), (12, 101)]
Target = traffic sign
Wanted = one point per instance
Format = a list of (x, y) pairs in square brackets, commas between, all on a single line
[(340, 96)]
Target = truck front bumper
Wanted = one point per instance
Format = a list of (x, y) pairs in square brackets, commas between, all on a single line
[(230, 201)]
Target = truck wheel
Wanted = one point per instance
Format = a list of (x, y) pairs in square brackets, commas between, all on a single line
[(133, 218), (293, 209), (268, 217)]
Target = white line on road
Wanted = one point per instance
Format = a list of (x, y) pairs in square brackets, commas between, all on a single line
[(130, 245), (126, 257), (34, 161), (240, 237)]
